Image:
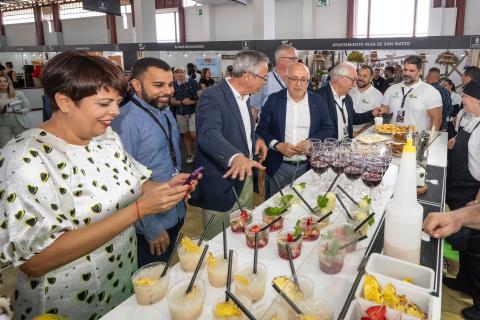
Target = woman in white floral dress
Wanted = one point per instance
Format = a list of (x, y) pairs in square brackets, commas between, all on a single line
[(70, 194)]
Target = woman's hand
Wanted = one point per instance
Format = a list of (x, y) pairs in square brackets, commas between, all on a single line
[(161, 198)]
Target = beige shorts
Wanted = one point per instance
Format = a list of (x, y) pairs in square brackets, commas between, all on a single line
[(186, 123)]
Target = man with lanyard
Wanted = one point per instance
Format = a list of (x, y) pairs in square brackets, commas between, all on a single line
[(340, 104), (285, 55), (412, 101), (365, 96), (463, 184), (150, 134), (185, 100)]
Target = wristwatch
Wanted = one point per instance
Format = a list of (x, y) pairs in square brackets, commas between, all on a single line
[(274, 147)]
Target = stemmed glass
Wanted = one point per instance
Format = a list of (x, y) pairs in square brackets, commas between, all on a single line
[(354, 169), (314, 144), (372, 172), (383, 152), (318, 162)]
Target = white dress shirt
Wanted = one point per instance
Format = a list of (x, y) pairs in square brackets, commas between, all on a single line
[(340, 104), (244, 111), (468, 123), (297, 124)]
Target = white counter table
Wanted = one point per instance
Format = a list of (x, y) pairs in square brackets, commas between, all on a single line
[(332, 288)]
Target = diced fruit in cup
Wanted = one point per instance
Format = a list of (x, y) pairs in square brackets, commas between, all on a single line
[(278, 225), (288, 287), (262, 236), (330, 258), (239, 219), (227, 309), (189, 245)]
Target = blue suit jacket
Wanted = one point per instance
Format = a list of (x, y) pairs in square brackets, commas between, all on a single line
[(220, 135), (273, 119), (353, 117)]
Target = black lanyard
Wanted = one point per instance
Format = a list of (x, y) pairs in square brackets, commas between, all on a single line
[(405, 96), (278, 80), (171, 147), (341, 111)]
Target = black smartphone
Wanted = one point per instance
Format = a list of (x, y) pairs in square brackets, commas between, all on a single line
[(193, 175)]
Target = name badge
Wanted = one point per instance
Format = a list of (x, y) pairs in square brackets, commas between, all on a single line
[(400, 116), (345, 132)]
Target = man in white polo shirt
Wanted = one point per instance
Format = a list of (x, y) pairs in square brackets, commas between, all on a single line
[(365, 96), (412, 101)]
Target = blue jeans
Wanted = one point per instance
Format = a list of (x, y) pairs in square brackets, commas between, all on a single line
[(143, 247), (284, 177)]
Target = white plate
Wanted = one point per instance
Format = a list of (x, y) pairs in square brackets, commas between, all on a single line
[(373, 138)]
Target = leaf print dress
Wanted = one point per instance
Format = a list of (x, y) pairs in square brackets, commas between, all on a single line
[(48, 187)]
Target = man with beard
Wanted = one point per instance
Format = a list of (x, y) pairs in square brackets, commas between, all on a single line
[(412, 101), (379, 81), (365, 96), (150, 134)]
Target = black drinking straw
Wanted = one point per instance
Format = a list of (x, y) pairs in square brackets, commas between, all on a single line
[(205, 230), (237, 199), (240, 305), (364, 221), (271, 222), (169, 262), (346, 194), (278, 185), (324, 217), (352, 242), (255, 254), (224, 240), (292, 266), (287, 299), (294, 173), (343, 206), (303, 200), (331, 186), (197, 268), (229, 272)]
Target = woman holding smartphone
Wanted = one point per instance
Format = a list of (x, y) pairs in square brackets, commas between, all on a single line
[(13, 111)]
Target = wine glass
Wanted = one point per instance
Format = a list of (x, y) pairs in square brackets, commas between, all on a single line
[(318, 162), (372, 172), (314, 144), (354, 169)]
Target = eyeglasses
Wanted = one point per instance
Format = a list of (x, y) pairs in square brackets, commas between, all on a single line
[(264, 78), (298, 80), (293, 59), (352, 79)]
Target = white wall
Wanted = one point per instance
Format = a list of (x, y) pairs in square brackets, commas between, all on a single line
[(331, 21), (85, 31), (124, 35), (233, 22), (472, 17), (194, 26), (20, 34), (285, 26)]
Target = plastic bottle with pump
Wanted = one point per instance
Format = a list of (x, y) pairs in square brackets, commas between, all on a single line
[(404, 215)]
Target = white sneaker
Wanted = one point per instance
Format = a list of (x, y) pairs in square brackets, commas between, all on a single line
[(189, 159)]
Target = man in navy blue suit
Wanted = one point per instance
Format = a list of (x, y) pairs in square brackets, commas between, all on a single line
[(288, 119), (226, 141), (340, 104)]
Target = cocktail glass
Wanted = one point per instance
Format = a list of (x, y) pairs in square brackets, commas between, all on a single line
[(149, 286)]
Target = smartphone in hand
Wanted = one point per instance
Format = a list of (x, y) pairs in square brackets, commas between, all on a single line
[(194, 175)]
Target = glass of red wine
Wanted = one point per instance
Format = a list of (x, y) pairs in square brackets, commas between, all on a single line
[(372, 172), (318, 163), (353, 170), (314, 144)]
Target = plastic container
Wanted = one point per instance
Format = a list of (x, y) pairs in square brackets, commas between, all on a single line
[(295, 246), (230, 304), (267, 311), (149, 286), (189, 259), (422, 278), (238, 221), (184, 306), (419, 297), (217, 268), (404, 215), (262, 237), (250, 284), (357, 310)]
